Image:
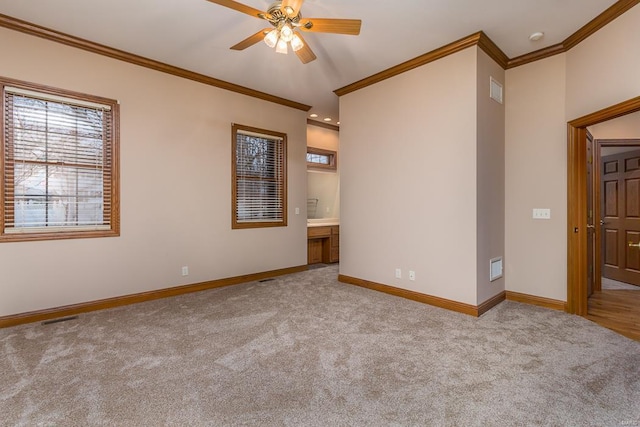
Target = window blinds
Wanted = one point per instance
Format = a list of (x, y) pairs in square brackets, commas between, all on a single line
[(57, 163), (259, 177)]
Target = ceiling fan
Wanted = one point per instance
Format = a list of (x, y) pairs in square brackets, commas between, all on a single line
[(286, 20)]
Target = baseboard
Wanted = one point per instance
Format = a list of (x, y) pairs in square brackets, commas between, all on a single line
[(70, 310), (491, 302), (539, 301), (459, 307), (454, 305)]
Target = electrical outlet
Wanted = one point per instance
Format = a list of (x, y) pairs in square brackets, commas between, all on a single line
[(185, 270), (398, 273), (412, 275)]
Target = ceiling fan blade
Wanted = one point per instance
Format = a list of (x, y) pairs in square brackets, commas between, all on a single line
[(251, 40), (305, 54), (242, 8), (293, 5), (328, 25)]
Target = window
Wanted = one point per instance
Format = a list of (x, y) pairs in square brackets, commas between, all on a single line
[(318, 158), (59, 164), (259, 178)]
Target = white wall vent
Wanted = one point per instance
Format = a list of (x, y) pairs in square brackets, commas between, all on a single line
[(495, 90), (495, 268)]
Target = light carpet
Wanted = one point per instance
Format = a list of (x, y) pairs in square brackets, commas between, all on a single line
[(306, 350)]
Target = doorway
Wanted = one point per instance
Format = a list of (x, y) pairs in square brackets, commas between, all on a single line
[(577, 215), (616, 212)]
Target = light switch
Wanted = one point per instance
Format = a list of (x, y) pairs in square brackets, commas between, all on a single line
[(541, 213)]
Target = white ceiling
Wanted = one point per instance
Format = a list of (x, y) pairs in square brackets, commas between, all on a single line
[(196, 35)]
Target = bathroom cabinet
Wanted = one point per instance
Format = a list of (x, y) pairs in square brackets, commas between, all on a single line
[(323, 244)]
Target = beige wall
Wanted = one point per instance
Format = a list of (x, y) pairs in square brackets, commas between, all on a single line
[(490, 177), (620, 128), (603, 70), (410, 175), (175, 179), (324, 185), (535, 176), (625, 127), (320, 137), (408, 187), (541, 98)]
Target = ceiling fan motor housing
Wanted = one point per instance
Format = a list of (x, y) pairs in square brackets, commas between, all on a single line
[(279, 17)]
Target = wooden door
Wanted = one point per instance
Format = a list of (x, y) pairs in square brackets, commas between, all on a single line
[(620, 207)]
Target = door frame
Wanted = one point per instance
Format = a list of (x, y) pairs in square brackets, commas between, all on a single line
[(591, 197), (577, 262)]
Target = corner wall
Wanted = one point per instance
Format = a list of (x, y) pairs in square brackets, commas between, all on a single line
[(408, 165), (490, 177), (175, 145)]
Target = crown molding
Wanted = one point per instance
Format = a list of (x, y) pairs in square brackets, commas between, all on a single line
[(490, 48), (69, 40), (536, 55), (323, 125), (617, 9), (451, 48)]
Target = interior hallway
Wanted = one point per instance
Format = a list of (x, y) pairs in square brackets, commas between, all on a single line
[(617, 307)]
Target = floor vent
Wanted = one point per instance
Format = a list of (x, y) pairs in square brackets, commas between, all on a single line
[(495, 268), (61, 319), (265, 280)]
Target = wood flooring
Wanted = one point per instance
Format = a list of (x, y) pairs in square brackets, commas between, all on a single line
[(618, 310)]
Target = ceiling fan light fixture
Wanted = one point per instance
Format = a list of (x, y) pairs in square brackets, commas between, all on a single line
[(271, 38), (281, 47), (296, 43), (286, 22), (286, 33)]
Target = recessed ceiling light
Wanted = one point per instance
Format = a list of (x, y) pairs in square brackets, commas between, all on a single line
[(536, 36), (314, 115), (337, 123), (328, 119)]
